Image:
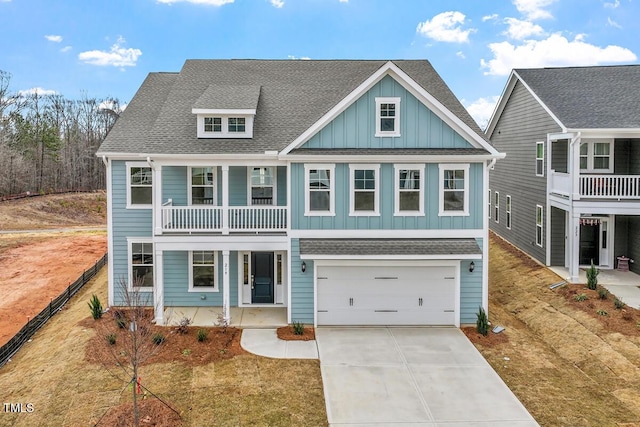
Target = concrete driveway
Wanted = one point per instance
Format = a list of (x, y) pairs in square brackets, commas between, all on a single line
[(412, 377)]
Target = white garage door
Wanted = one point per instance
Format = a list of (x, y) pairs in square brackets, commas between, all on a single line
[(370, 295)]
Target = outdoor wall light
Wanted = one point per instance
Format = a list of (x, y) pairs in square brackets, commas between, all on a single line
[(472, 266), (303, 267)]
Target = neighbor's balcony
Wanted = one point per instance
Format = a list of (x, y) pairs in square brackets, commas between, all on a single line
[(618, 187), (223, 219)]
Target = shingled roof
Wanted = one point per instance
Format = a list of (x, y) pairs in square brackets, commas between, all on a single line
[(360, 247), (603, 97), (293, 95)]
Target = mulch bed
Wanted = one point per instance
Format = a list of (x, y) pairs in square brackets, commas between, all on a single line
[(286, 333), (489, 340), (152, 413)]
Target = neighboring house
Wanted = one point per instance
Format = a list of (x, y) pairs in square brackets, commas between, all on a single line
[(568, 192), (349, 192)]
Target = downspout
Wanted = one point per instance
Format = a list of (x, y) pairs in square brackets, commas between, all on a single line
[(104, 160), (150, 163)]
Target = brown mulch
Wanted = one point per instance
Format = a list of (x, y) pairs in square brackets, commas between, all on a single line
[(152, 413), (490, 340), (286, 333)]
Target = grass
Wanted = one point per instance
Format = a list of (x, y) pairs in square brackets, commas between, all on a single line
[(51, 373)]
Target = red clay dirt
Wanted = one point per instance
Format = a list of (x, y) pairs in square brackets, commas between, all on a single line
[(38, 270)]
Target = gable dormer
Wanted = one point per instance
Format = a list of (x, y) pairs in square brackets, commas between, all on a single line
[(226, 111)]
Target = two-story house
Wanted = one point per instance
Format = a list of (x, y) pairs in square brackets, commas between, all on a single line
[(348, 192), (568, 192)]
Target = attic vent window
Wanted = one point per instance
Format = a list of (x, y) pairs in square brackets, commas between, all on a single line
[(213, 124), (387, 117)]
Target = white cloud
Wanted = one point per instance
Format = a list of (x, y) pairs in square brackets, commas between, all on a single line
[(445, 27), (481, 109), (555, 50), (613, 5), (490, 17), (205, 2), (534, 9), (613, 23), (118, 56), (460, 54), (304, 58), (52, 38), (277, 3), (36, 90), (520, 30), (65, 49), (344, 1)]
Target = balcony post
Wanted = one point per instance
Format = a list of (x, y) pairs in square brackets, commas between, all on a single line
[(574, 166), (225, 199), (157, 200), (158, 288), (574, 246), (225, 287)]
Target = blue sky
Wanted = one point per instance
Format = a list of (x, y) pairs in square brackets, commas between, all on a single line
[(106, 47)]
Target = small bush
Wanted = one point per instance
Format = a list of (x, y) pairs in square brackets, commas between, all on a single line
[(618, 304), (202, 335), (482, 324), (121, 319), (592, 277), (298, 328), (186, 352), (602, 312), (183, 325), (603, 293), (158, 338), (95, 306), (580, 297), (111, 338)]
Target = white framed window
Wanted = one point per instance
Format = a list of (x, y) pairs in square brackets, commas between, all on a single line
[(141, 257), (227, 125), (202, 271), (454, 190), (262, 186), (364, 190), (236, 125), (539, 221), (202, 181), (387, 117), (508, 212), (489, 198), (539, 158), (596, 156), (213, 124), (139, 185), (409, 190), (319, 195), (496, 207)]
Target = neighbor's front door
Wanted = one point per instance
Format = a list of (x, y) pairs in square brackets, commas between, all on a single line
[(262, 277)]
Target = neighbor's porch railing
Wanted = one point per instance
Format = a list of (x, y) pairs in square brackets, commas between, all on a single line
[(610, 186), (223, 219)]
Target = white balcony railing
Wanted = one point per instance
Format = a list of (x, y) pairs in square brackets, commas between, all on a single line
[(610, 186), (187, 219)]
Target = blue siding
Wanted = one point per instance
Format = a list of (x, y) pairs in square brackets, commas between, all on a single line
[(356, 126), (237, 186), (126, 223), (387, 220), (175, 185), (301, 304), (470, 289), (281, 181)]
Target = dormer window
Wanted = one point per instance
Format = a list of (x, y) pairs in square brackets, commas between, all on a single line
[(387, 117), (225, 125), (236, 124), (213, 124), (224, 111)]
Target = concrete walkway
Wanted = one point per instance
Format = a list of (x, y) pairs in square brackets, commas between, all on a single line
[(265, 342)]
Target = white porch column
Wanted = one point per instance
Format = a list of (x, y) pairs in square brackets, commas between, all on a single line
[(225, 199), (225, 286), (157, 200), (574, 166), (574, 246), (158, 287)]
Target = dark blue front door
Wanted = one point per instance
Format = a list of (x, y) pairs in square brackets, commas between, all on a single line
[(262, 277)]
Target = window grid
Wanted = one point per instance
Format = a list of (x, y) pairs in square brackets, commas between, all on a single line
[(213, 124), (496, 207), (203, 186), (508, 212), (454, 189), (236, 124), (539, 158), (408, 190), (141, 185), (262, 185), (203, 269), (364, 190), (539, 219), (141, 265), (319, 190)]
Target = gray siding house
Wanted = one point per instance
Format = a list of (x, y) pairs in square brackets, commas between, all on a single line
[(346, 192), (568, 192)]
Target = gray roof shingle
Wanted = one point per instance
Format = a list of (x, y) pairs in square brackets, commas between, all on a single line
[(389, 247), (292, 96), (602, 97), (229, 97)]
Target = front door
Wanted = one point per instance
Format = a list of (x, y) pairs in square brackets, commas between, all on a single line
[(262, 278), (590, 243)]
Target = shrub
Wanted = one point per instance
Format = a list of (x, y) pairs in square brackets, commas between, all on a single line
[(121, 319), (580, 297), (111, 338), (202, 335), (602, 312), (482, 324), (618, 304), (186, 352), (95, 306), (592, 277), (158, 338), (603, 293), (298, 328), (183, 325)]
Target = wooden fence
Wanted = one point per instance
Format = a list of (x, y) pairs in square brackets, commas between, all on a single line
[(39, 320)]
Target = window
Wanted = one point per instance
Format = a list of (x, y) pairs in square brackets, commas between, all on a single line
[(409, 197), (508, 211), (489, 198), (203, 186), (387, 117), (140, 185), (319, 182), (236, 125), (496, 207), (539, 218), (596, 156), (278, 269), (213, 124), (141, 258), (262, 182), (203, 271), (539, 158), (454, 193), (364, 189)]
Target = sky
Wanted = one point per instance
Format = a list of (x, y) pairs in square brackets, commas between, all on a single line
[(105, 48)]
